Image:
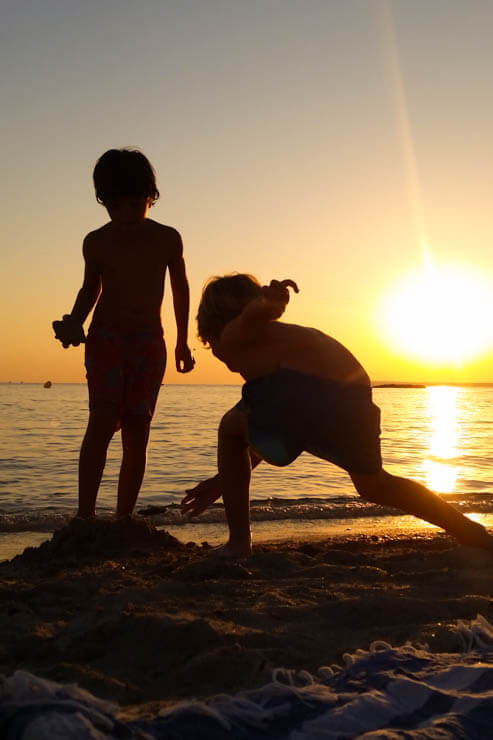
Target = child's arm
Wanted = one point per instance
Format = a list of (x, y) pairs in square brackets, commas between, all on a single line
[(256, 314), (70, 329), (181, 304), (91, 287)]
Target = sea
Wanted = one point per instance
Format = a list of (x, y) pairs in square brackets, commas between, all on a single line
[(441, 436)]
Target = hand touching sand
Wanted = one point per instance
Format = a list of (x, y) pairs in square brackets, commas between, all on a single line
[(197, 499)]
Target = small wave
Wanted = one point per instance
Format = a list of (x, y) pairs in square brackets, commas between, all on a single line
[(31, 521), (272, 509), (313, 509)]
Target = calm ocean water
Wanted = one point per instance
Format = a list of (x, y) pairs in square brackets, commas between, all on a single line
[(440, 435)]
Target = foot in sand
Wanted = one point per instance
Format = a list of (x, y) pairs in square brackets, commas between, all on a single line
[(231, 551)]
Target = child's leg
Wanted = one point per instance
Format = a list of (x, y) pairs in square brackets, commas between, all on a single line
[(135, 436), (100, 429), (233, 462), (413, 498)]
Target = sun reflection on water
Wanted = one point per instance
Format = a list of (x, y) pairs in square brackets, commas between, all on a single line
[(444, 428)]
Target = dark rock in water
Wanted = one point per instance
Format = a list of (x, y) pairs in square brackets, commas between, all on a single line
[(90, 539), (48, 384), (151, 510)]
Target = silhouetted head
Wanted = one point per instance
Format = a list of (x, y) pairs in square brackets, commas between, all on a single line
[(124, 173), (223, 299)]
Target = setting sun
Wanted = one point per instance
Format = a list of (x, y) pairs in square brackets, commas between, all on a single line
[(440, 315)]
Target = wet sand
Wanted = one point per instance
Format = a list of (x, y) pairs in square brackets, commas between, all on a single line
[(136, 616)]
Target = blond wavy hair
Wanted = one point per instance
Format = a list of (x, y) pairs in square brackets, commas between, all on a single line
[(223, 299)]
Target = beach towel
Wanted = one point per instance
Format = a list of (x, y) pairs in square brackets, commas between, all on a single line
[(382, 693)]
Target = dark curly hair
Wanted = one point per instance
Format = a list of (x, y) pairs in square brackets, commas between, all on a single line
[(124, 173), (223, 299)]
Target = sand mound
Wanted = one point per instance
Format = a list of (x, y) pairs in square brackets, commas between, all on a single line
[(89, 539)]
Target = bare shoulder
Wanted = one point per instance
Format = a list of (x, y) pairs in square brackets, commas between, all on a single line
[(94, 240), (167, 235)]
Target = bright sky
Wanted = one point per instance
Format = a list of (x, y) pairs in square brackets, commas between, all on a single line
[(346, 144)]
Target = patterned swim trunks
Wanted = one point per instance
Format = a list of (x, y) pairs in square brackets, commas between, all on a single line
[(124, 369), (290, 412)]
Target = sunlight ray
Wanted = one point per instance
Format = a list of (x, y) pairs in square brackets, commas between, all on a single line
[(400, 104)]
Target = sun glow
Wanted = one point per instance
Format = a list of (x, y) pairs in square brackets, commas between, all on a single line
[(440, 315), (438, 464)]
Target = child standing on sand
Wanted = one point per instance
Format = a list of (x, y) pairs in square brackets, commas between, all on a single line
[(125, 356), (303, 391)]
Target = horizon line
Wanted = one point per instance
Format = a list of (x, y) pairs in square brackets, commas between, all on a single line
[(374, 383)]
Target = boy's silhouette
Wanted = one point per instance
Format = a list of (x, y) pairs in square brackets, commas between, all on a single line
[(303, 391), (126, 261)]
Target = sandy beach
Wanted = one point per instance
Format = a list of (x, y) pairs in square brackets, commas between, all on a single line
[(136, 616)]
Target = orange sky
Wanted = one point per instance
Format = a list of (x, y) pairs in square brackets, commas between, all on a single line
[(333, 143)]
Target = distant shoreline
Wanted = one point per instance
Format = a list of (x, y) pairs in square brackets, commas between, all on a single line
[(400, 385), (375, 384), (432, 384)]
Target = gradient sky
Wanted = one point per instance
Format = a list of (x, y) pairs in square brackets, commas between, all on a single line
[(318, 140)]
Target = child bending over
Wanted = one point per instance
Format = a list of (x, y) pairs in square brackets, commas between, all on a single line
[(126, 261), (303, 391)]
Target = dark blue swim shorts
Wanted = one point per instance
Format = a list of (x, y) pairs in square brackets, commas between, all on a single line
[(290, 412)]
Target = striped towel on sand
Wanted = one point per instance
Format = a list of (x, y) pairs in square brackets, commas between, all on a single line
[(383, 693)]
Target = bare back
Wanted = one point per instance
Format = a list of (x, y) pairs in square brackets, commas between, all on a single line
[(131, 262), (300, 348)]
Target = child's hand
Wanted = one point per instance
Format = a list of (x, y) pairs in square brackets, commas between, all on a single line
[(184, 359), (276, 296), (69, 331), (200, 497), (278, 291)]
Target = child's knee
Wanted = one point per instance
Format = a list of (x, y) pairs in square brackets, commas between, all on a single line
[(233, 424), (135, 430), (370, 486), (104, 420)]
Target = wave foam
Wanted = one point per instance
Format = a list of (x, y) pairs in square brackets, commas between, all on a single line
[(273, 509)]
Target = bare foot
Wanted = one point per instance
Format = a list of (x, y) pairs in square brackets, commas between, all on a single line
[(233, 552), (485, 541), (478, 537)]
